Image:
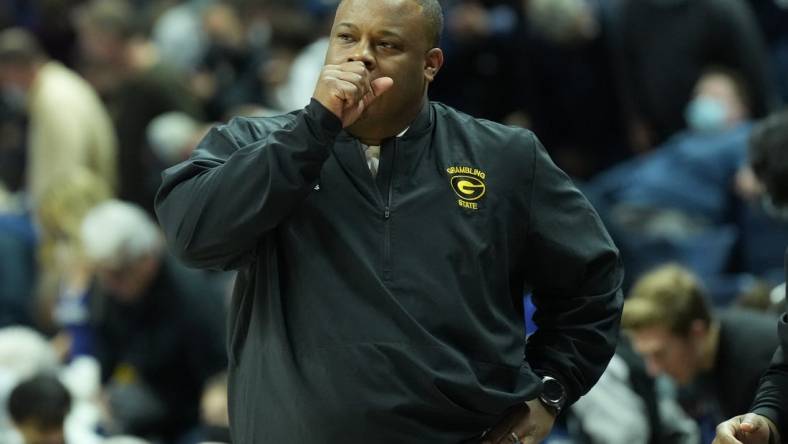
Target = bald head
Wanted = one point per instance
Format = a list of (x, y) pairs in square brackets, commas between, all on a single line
[(433, 19)]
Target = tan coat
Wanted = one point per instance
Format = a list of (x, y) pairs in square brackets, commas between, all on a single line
[(69, 127)]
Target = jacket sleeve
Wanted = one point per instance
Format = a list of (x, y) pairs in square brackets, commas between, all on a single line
[(241, 182), (771, 400), (575, 273)]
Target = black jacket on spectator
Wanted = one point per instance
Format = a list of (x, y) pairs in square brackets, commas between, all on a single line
[(390, 310), (772, 398), (171, 342), (747, 342)]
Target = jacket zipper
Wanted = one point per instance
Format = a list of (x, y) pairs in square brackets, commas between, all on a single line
[(387, 218)]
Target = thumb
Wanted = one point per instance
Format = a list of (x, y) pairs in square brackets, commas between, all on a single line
[(750, 423), (381, 85)]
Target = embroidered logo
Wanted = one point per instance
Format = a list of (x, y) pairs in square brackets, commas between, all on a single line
[(468, 185)]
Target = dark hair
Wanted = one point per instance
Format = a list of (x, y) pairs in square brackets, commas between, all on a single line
[(433, 15), (769, 155), (18, 46), (43, 399)]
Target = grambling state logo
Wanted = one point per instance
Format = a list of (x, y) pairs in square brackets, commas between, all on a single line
[(468, 185)]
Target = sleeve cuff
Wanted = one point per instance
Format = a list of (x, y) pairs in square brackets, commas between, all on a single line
[(774, 416), (326, 124)]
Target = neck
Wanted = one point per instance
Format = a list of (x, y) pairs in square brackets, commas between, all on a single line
[(710, 346)]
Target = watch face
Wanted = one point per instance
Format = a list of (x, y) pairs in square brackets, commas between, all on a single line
[(553, 390)]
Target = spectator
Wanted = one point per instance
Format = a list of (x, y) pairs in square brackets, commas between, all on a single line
[(159, 327), (676, 203), (23, 354), (769, 161), (720, 354), (38, 408), (768, 420), (68, 125), (63, 281)]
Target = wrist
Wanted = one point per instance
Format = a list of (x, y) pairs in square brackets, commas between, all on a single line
[(553, 395), (774, 434)]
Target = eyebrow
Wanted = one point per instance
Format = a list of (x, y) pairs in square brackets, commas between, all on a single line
[(383, 32)]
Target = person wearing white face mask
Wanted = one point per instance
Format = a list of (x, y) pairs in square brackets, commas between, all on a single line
[(720, 102), (676, 200)]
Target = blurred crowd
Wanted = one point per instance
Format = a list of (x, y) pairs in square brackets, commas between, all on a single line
[(666, 113)]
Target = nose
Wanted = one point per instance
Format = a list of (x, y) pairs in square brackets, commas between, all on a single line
[(362, 52)]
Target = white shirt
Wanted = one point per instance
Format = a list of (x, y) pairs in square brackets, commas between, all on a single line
[(372, 154)]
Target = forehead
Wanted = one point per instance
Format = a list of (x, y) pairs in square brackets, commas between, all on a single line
[(717, 83), (381, 14), (653, 339)]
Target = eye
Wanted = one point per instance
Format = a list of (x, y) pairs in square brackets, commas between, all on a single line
[(344, 37), (385, 44)]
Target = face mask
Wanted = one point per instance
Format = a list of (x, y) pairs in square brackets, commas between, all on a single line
[(706, 114)]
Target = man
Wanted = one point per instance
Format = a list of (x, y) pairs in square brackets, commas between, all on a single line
[(38, 408), (158, 326), (68, 124), (721, 355), (380, 299), (767, 421)]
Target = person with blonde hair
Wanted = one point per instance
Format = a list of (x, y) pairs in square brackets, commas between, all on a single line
[(721, 353), (63, 279)]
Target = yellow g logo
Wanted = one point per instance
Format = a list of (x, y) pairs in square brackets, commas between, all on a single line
[(468, 188)]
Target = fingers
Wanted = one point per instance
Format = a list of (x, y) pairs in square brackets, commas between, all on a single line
[(510, 427), (726, 432), (742, 429), (347, 89), (498, 434)]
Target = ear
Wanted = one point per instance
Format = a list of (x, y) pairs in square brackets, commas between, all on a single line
[(433, 61)]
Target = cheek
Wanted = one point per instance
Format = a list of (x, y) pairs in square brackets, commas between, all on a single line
[(682, 360)]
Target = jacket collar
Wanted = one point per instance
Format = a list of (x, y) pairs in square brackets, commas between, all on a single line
[(420, 125)]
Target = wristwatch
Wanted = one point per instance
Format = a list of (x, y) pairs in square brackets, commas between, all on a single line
[(553, 395)]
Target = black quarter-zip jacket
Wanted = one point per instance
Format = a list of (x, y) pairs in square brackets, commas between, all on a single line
[(389, 309)]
